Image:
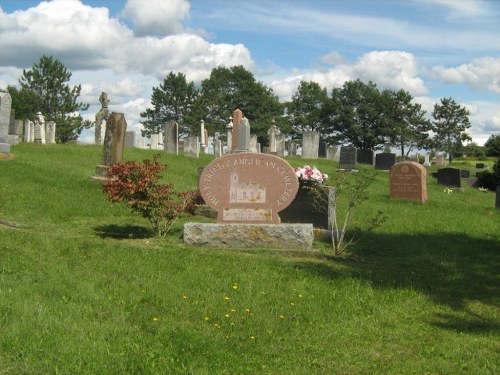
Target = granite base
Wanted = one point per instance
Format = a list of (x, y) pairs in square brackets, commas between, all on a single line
[(277, 236)]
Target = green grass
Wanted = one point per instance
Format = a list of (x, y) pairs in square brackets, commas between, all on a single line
[(86, 289)]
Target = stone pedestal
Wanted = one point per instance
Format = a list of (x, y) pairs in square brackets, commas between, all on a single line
[(276, 236)]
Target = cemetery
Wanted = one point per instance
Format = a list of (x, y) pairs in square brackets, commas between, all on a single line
[(244, 289)]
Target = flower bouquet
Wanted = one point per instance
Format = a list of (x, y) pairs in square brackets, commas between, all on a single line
[(310, 176)]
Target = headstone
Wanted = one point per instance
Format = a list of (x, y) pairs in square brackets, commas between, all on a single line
[(218, 148), (497, 198), (51, 132), (384, 161), (408, 181), (292, 149), (313, 205), (5, 106), (322, 149), (248, 187), (28, 131), (427, 162), (365, 156), (229, 130), (154, 141), (440, 160), (479, 165), (17, 127), (449, 177), (348, 157), (130, 139), (243, 136), (237, 116), (464, 173), (253, 143), (14, 129), (192, 147), (140, 142), (203, 137), (333, 153), (100, 116), (310, 144), (272, 133), (280, 145), (114, 141), (39, 128), (171, 138)]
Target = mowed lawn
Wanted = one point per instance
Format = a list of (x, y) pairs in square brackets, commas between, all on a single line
[(85, 287)]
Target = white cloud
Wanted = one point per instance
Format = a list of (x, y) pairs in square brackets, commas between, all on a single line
[(461, 8), (388, 69), (157, 17), (481, 74), (333, 58)]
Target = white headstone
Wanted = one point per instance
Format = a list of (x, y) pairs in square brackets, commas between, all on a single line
[(310, 144), (51, 132)]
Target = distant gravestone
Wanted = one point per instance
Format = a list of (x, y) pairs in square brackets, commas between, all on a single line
[(114, 142), (28, 131), (322, 150), (5, 107), (407, 180), (243, 136), (130, 139), (310, 144), (171, 138), (497, 199), (333, 153), (192, 147), (440, 162), (292, 149), (365, 156), (384, 161), (280, 145), (449, 177), (479, 165), (348, 157), (464, 173), (427, 162), (39, 128), (253, 143), (50, 134), (272, 134), (248, 187), (237, 116), (100, 116), (218, 148)]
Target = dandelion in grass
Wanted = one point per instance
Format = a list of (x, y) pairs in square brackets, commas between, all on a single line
[(206, 318), (447, 190), (235, 286), (252, 337), (155, 318), (227, 298), (292, 303), (233, 310), (300, 296), (184, 297), (226, 316), (217, 326), (247, 310), (282, 316)]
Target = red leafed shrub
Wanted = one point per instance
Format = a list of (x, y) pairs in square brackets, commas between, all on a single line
[(137, 186)]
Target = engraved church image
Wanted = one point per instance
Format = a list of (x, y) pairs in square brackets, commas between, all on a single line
[(245, 192)]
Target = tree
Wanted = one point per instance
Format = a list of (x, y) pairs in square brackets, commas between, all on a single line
[(25, 102), (492, 145), (451, 122), (228, 89), (406, 123), (173, 100), (355, 114), (307, 110), (56, 100)]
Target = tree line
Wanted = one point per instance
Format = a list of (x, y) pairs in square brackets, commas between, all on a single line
[(357, 113)]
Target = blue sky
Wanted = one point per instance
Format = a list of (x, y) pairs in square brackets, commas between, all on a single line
[(431, 48)]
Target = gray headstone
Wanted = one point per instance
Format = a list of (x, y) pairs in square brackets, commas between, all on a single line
[(253, 143), (385, 161), (114, 139), (171, 138), (427, 162), (243, 136), (280, 145), (5, 106), (50, 135), (348, 157), (218, 148), (449, 177), (130, 139), (101, 116), (333, 153), (292, 149), (440, 162), (322, 149), (310, 144), (28, 131), (192, 147), (39, 128)]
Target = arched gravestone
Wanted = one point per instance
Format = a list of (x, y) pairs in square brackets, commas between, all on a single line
[(408, 180), (248, 187)]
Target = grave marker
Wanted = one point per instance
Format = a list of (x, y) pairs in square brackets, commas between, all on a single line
[(5, 107), (365, 156), (248, 187), (407, 180), (237, 116), (114, 141), (449, 177), (348, 157), (384, 161), (192, 146), (171, 138), (310, 144)]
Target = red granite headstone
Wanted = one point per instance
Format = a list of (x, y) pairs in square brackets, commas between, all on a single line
[(248, 187), (408, 181)]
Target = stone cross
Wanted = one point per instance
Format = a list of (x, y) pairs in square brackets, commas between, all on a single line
[(102, 115)]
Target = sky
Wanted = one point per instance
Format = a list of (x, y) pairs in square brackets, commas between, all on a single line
[(433, 49)]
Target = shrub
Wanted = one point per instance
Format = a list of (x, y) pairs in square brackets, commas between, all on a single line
[(137, 186), (489, 179)]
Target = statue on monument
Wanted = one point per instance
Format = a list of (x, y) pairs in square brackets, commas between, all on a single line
[(100, 116)]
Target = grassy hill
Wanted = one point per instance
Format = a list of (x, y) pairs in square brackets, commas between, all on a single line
[(86, 289)]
